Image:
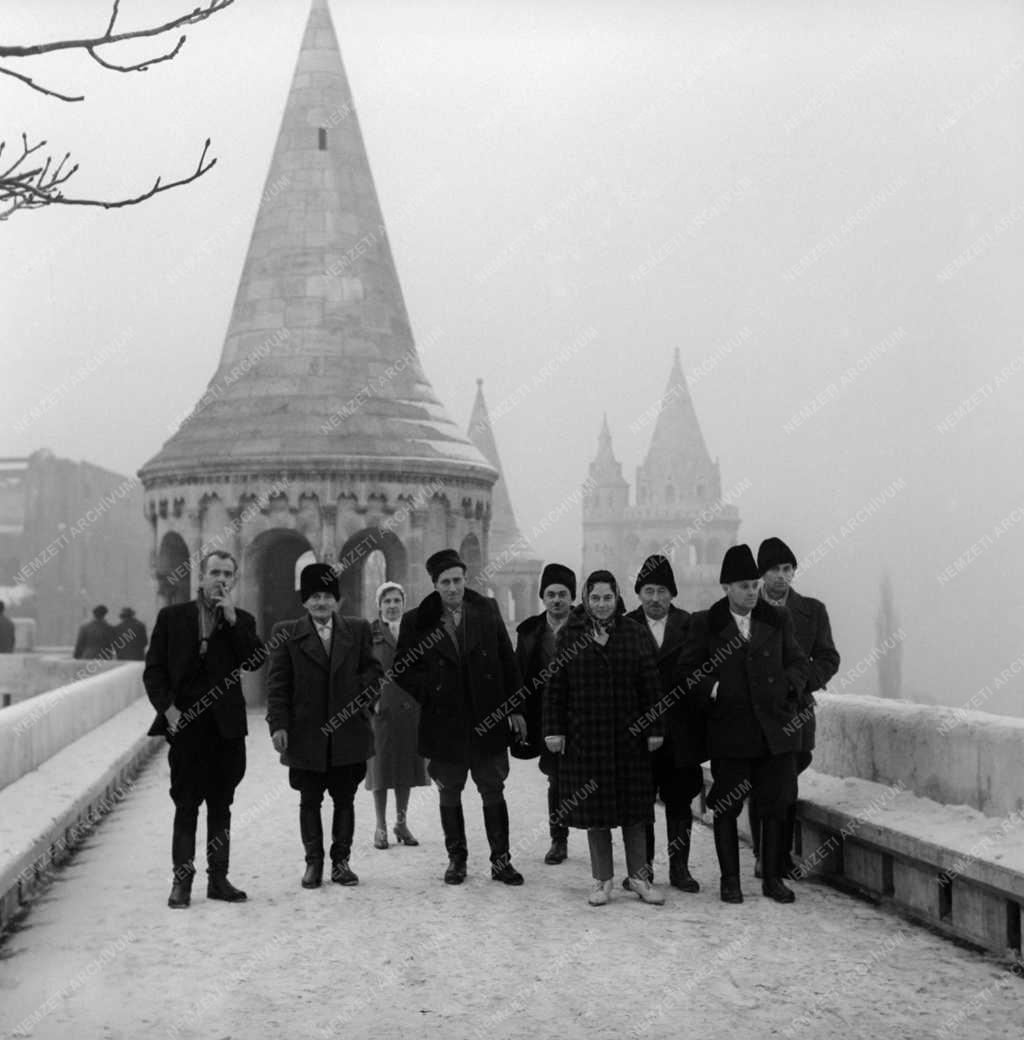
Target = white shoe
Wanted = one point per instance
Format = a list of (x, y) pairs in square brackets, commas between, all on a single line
[(600, 893), (646, 891)]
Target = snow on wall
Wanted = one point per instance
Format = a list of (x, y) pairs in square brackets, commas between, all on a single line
[(951, 755)]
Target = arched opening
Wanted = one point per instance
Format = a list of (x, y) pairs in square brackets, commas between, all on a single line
[(173, 571), (355, 556), (270, 570), (375, 573), (474, 560), (301, 563)]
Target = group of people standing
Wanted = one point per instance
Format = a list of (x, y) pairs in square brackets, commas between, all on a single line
[(619, 709), (98, 639)]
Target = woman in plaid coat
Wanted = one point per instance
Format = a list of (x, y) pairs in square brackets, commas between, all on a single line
[(601, 716)]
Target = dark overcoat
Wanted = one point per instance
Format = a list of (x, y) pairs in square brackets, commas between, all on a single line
[(396, 722), (529, 657), (175, 673), (95, 640), (130, 640), (814, 634), (760, 681), (465, 697), (597, 698), (685, 719), (315, 698)]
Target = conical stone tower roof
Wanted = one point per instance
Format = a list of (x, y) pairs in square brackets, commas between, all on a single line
[(678, 455), (319, 367), (504, 530)]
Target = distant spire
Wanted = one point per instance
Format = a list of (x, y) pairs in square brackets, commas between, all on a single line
[(606, 468), (504, 530)]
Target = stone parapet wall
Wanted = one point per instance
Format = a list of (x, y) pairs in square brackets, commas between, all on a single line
[(27, 675), (950, 755), (35, 730)]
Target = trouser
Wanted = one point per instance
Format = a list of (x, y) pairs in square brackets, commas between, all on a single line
[(769, 780), (489, 772), (556, 811), (600, 841), (205, 767), (342, 782)]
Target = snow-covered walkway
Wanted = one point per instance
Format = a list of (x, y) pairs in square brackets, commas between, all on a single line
[(403, 955)]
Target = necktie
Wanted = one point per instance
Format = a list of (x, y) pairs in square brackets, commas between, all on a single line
[(324, 631)]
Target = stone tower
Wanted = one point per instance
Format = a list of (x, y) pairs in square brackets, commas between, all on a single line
[(511, 572), (679, 509), (319, 436)]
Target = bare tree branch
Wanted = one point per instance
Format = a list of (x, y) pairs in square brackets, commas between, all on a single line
[(33, 188), (89, 45), (37, 86)]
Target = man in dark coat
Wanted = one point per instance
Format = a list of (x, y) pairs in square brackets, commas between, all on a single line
[(193, 677), (130, 637), (95, 638), (777, 564), (321, 687), (7, 635), (535, 650), (742, 658), (678, 777), (455, 657)]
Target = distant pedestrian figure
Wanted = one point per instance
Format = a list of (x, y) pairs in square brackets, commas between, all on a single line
[(395, 763), (95, 638), (535, 652), (321, 688), (193, 677), (6, 632), (598, 718), (130, 637)]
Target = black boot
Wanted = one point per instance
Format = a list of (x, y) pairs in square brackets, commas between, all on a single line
[(453, 824), (496, 826), (183, 854), (311, 827), (789, 868), (755, 835), (343, 826), (678, 830), (559, 832), (218, 855), (771, 858), (727, 846)]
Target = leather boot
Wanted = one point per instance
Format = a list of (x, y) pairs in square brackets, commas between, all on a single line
[(678, 829), (218, 855), (311, 828), (181, 888), (453, 824), (559, 850), (755, 835), (727, 846), (789, 868), (771, 859), (183, 853), (496, 826)]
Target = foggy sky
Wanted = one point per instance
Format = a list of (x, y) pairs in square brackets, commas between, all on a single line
[(820, 206)]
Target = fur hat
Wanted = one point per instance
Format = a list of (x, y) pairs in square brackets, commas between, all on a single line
[(318, 577), (444, 560), (558, 574), (656, 570), (738, 565), (773, 552)]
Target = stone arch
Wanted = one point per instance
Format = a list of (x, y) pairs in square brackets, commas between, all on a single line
[(269, 575), (375, 573), (473, 557), (173, 571), (352, 561)]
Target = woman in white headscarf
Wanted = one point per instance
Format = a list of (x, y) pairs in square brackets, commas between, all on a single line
[(395, 764)]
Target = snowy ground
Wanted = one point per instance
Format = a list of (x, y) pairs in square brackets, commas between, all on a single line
[(403, 955)]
